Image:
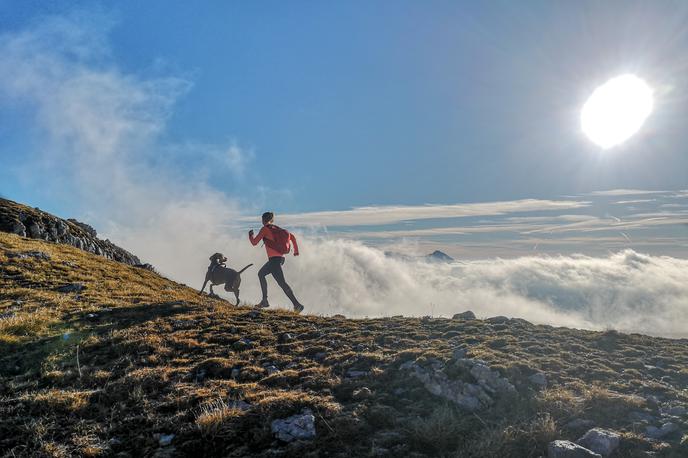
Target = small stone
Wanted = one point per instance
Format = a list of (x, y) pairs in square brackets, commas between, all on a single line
[(460, 353), (320, 356), (114, 442), (467, 316), (567, 449), (658, 433), (539, 379), (240, 405), (166, 452), (678, 411), (356, 374), (165, 439), (92, 316), (600, 441), (362, 393), (579, 423), (301, 426), (271, 370), (242, 344), (71, 288), (644, 417), (286, 337), (498, 319), (407, 365), (234, 374)]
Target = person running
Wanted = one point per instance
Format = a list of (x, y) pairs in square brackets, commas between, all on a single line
[(277, 243)]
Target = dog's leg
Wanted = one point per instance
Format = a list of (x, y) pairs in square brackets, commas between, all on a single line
[(204, 283), (212, 293), (236, 293)]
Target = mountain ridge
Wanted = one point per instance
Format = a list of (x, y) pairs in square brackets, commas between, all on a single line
[(25, 221)]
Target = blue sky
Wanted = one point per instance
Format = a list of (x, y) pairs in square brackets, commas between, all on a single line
[(324, 107)]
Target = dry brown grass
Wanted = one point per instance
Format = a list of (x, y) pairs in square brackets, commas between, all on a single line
[(214, 415)]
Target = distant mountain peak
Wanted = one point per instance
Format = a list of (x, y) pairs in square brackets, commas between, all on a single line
[(438, 255), (435, 256)]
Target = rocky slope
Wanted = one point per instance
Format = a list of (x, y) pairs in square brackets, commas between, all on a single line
[(32, 222), (98, 358)]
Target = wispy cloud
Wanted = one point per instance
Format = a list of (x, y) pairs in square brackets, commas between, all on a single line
[(374, 215), (625, 192)]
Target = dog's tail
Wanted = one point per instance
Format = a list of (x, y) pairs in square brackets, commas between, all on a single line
[(245, 268)]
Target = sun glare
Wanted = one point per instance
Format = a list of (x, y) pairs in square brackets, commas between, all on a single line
[(616, 110)]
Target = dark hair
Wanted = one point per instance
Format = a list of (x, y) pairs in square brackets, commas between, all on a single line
[(268, 216)]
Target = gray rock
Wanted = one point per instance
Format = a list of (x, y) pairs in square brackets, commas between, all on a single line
[(286, 337), (645, 417), (459, 353), (467, 315), (579, 423), (30, 254), (521, 322), (567, 449), (165, 439), (71, 288), (539, 379), (18, 228), (271, 369), (362, 393), (166, 452), (114, 442), (658, 433), (242, 344), (407, 365), (240, 405), (468, 396), (388, 438), (356, 374), (234, 374), (600, 441), (678, 410), (296, 427), (498, 319)]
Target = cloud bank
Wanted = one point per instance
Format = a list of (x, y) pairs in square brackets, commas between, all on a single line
[(101, 134)]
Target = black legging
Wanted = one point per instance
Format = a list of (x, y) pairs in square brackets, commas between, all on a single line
[(274, 267)]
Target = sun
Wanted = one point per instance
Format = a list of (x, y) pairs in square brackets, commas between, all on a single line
[(616, 110)]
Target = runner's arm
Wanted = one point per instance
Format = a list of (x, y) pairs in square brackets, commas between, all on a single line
[(296, 245), (256, 240)]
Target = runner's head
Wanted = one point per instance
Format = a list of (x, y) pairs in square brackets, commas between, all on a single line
[(268, 217)]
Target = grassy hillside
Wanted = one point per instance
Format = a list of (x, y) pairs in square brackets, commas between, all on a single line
[(137, 365)]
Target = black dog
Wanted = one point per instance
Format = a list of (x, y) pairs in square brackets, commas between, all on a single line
[(218, 274)]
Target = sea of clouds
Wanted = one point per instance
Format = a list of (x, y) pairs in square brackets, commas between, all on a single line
[(100, 132)]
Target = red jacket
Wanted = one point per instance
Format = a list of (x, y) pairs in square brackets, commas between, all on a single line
[(265, 232)]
